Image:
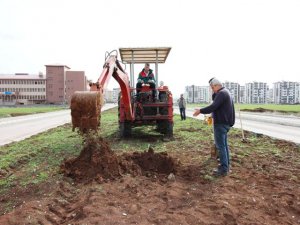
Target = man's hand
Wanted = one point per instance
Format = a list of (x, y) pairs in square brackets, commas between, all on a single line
[(197, 112)]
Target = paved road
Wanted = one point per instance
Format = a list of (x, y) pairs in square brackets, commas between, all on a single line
[(18, 128), (21, 127), (277, 126)]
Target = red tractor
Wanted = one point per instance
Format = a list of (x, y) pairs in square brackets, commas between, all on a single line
[(133, 109)]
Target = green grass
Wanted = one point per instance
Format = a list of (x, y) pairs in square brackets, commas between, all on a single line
[(273, 107), (19, 111), (36, 159)]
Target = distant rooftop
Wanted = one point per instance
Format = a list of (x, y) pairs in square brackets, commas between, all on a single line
[(22, 76), (57, 64)]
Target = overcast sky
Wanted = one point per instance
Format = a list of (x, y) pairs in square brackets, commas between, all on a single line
[(240, 41)]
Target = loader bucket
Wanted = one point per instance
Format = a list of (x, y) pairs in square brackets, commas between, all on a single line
[(86, 110)]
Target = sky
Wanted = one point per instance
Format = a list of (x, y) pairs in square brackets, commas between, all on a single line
[(233, 40)]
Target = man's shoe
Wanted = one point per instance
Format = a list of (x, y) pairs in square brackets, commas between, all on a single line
[(219, 173)]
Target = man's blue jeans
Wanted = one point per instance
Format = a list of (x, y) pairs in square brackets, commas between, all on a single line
[(182, 113), (220, 135)]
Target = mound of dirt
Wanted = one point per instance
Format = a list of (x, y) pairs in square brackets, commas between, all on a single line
[(98, 162)]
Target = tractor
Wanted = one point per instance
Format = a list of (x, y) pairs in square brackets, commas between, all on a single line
[(135, 107)]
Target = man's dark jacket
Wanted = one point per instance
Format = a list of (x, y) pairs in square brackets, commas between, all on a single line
[(222, 108), (144, 77)]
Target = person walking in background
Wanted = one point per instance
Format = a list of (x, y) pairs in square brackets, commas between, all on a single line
[(223, 113), (182, 105)]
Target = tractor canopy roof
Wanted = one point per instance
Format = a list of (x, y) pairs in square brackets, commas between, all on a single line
[(144, 55)]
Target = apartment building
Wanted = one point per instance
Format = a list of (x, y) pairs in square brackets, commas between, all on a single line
[(256, 93), (22, 88), (286, 92), (234, 89), (242, 94), (108, 95), (197, 94), (298, 92), (111, 96), (115, 96), (270, 95)]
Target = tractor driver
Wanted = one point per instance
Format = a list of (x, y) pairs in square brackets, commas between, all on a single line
[(146, 76)]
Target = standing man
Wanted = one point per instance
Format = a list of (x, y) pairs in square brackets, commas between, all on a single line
[(146, 76), (223, 113), (182, 105)]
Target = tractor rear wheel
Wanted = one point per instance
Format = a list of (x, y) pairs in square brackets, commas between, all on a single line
[(165, 127), (125, 129)]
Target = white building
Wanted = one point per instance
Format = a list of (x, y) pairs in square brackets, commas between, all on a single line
[(242, 94), (234, 89), (286, 92), (270, 95), (111, 96), (108, 96), (256, 93), (197, 94), (298, 93), (22, 88), (115, 96)]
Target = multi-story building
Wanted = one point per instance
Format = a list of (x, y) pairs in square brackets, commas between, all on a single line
[(115, 96), (62, 83), (108, 95), (56, 87), (270, 95), (56, 84), (197, 94), (234, 89), (298, 93), (112, 96), (256, 93), (22, 88), (286, 92), (242, 94), (75, 81)]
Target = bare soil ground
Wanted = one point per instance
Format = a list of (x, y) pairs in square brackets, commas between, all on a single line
[(137, 188)]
